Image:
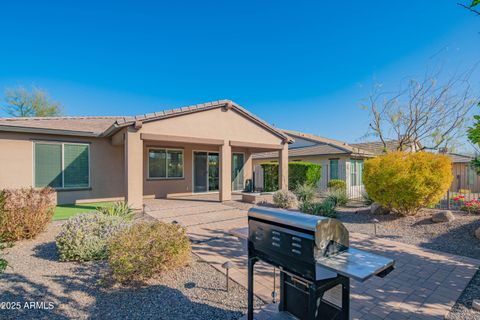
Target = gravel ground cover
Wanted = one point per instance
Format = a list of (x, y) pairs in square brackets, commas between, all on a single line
[(65, 290), (456, 237)]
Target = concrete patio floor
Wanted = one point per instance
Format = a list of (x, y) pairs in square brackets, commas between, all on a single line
[(424, 285)]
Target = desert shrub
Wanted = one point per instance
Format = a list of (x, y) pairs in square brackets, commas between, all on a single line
[(407, 182), (24, 213), (298, 173), (325, 208), (146, 249), (119, 209), (3, 262), (85, 237), (284, 199), (338, 196), (366, 199), (337, 184), (305, 192)]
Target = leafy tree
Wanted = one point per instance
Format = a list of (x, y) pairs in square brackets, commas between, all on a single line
[(473, 135), (21, 102), (472, 6)]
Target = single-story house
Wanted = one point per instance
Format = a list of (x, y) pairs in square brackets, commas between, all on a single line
[(339, 160), (195, 149)]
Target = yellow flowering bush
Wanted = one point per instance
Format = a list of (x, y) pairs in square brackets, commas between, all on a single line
[(406, 182)]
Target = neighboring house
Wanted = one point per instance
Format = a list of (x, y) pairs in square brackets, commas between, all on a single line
[(338, 159), (464, 176), (195, 149)]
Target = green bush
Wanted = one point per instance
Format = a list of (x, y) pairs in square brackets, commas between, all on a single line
[(325, 208), (284, 199), (406, 182), (147, 249), (305, 192), (24, 213), (3, 262), (119, 209), (337, 196), (337, 184), (299, 173), (85, 237)]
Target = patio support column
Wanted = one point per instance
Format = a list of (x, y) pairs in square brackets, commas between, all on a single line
[(134, 168), (225, 172), (283, 168)]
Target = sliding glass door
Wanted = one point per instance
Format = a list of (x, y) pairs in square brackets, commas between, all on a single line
[(238, 160), (205, 171)]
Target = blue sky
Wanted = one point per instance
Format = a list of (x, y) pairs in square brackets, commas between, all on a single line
[(303, 65)]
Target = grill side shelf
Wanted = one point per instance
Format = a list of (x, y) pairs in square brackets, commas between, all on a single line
[(357, 264)]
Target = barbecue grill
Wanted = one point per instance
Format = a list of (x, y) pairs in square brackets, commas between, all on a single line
[(314, 259)]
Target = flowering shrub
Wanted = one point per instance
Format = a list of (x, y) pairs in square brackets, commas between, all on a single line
[(459, 198), (146, 249), (24, 213), (472, 206), (85, 237), (284, 199)]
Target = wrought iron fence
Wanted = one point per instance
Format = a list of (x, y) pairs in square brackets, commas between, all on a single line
[(342, 171)]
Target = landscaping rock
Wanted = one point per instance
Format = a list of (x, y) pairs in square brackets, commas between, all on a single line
[(443, 216), (377, 209), (476, 303), (477, 233)]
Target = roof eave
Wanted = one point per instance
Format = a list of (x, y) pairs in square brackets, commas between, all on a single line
[(62, 132)]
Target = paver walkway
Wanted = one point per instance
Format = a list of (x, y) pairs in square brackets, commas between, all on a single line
[(424, 285)]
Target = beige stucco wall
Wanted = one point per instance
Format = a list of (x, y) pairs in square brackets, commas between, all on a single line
[(160, 188), (213, 124), (106, 166)]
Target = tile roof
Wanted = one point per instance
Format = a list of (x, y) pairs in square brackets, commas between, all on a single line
[(107, 125), (88, 125), (316, 150), (376, 147), (460, 158)]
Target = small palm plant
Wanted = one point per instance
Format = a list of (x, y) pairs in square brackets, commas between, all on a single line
[(119, 209)]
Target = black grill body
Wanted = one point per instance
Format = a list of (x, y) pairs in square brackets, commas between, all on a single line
[(291, 250), (314, 259)]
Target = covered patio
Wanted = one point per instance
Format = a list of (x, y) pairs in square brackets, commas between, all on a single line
[(424, 285), (204, 149)]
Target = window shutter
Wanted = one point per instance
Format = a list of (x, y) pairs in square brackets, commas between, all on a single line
[(48, 165), (76, 173)]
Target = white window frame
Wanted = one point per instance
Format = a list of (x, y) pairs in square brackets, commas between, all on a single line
[(62, 143), (166, 163)]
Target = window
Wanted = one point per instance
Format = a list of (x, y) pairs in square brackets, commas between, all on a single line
[(165, 163), (333, 168), (356, 171), (61, 165)]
